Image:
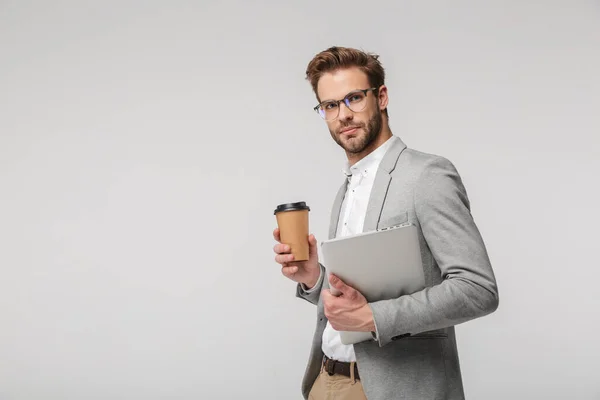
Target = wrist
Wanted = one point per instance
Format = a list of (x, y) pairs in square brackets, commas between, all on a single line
[(311, 284), (368, 320), (314, 280)]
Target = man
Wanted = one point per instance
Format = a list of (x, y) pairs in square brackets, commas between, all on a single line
[(413, 354)]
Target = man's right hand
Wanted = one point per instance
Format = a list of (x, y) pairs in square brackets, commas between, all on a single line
[(306, 272)]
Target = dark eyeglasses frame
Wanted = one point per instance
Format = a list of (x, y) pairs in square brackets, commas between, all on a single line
[(344, 100)]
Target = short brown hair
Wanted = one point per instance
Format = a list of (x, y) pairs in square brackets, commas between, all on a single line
[(336, 57)]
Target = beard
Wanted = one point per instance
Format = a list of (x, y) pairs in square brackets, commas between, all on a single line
[(361, 140)]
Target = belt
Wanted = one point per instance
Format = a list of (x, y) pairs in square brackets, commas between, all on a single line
[(339, 367)]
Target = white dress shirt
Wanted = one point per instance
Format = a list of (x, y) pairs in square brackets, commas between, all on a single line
[(360, 176)]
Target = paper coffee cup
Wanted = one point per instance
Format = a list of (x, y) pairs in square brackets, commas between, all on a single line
[(292, 219)]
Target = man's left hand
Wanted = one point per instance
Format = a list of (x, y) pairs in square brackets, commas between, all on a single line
[(349, 311)]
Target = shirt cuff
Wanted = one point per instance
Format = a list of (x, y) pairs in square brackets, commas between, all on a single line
[(375, 333)]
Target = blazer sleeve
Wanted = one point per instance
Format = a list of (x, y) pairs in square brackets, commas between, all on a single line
[(468, 289), (312, 295)]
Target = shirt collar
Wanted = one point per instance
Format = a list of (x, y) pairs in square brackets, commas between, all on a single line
[(369, 163)]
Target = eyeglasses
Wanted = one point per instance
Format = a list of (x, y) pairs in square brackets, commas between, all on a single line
[(356, 101)]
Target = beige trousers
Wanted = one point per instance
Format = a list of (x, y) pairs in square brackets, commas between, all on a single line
[(336, 387)]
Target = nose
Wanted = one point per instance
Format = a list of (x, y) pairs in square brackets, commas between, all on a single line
[(345, 113)]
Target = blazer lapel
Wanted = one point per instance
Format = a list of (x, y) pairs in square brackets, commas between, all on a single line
[(381, 184), (335, 212)]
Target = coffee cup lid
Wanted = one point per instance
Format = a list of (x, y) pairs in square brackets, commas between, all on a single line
[(301, 205)]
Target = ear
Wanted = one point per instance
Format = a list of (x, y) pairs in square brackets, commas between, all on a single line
[(382, 97)]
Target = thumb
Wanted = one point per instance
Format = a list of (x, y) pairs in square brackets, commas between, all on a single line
[(312, 245), (337, 283), (344, 288)]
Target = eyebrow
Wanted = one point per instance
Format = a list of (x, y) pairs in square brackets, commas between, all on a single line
[(350, 92)]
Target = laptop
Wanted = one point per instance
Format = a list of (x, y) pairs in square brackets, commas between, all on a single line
[(381, 264)]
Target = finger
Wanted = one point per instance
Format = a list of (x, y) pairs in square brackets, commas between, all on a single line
[(284, 258), (327, 299), (281, 248), (277, 234), (289, 271), (337, 283), (327, 296)]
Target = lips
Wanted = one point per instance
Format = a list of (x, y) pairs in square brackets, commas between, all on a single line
[(349, 129)]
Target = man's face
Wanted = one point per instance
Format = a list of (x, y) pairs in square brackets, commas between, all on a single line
[(353, 131)]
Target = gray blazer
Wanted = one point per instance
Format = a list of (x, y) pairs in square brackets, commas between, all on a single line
[(415, 354)]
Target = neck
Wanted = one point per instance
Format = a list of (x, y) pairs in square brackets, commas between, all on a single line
[(384, 135)]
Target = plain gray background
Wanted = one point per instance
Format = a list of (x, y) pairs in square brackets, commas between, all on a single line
[(144, 146)]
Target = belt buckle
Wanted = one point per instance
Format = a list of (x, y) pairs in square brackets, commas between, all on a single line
[(330, 366)]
